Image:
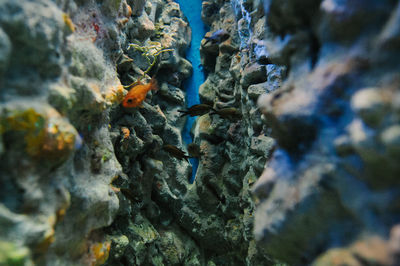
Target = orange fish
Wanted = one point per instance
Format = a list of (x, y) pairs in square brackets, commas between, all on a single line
[(137, 94)]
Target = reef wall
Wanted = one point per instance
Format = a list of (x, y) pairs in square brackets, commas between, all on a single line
[(166, 220), (306, 116), (86, 181), (325, 75), (58, 83), (331, 188), (64, 137)]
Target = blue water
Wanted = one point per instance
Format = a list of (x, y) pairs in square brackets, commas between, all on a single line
[(192, 10)]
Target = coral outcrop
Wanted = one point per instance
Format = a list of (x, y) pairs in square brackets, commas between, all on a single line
[(58, 84), (332, 181)]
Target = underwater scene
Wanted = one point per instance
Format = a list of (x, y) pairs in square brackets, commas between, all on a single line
[(200, 132)]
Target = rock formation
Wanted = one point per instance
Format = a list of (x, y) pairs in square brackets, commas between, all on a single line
[(299, 158), (333, 179)]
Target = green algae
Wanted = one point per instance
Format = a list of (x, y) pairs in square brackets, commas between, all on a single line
[(43, 135), (144, 231), (11, 255), (31, 124)]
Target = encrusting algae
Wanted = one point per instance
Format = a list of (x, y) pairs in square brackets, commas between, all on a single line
[(42, 134), (115, 94), (126, 132), (48, 239), (68, 22), (99, 253)]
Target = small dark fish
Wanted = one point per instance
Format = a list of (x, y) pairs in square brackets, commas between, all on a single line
[(229, 113), (175, 151), (194, 150), (218, 36), (197, 109)]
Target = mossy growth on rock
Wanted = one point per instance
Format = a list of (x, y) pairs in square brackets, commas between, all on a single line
[(45, 134), (100, 252), (11, 255)]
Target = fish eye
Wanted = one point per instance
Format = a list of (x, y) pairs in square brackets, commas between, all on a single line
[(129, 101)]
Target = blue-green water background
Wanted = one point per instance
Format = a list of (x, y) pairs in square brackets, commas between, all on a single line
[(192, 10)]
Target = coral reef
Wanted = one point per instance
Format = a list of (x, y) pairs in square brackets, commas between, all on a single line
[(298, 140)]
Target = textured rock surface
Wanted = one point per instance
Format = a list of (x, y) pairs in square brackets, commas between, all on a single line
[(57, 160), (236, 146), (166, 220), (315, 90), (333, 179), (63, 133), (104, 190)]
